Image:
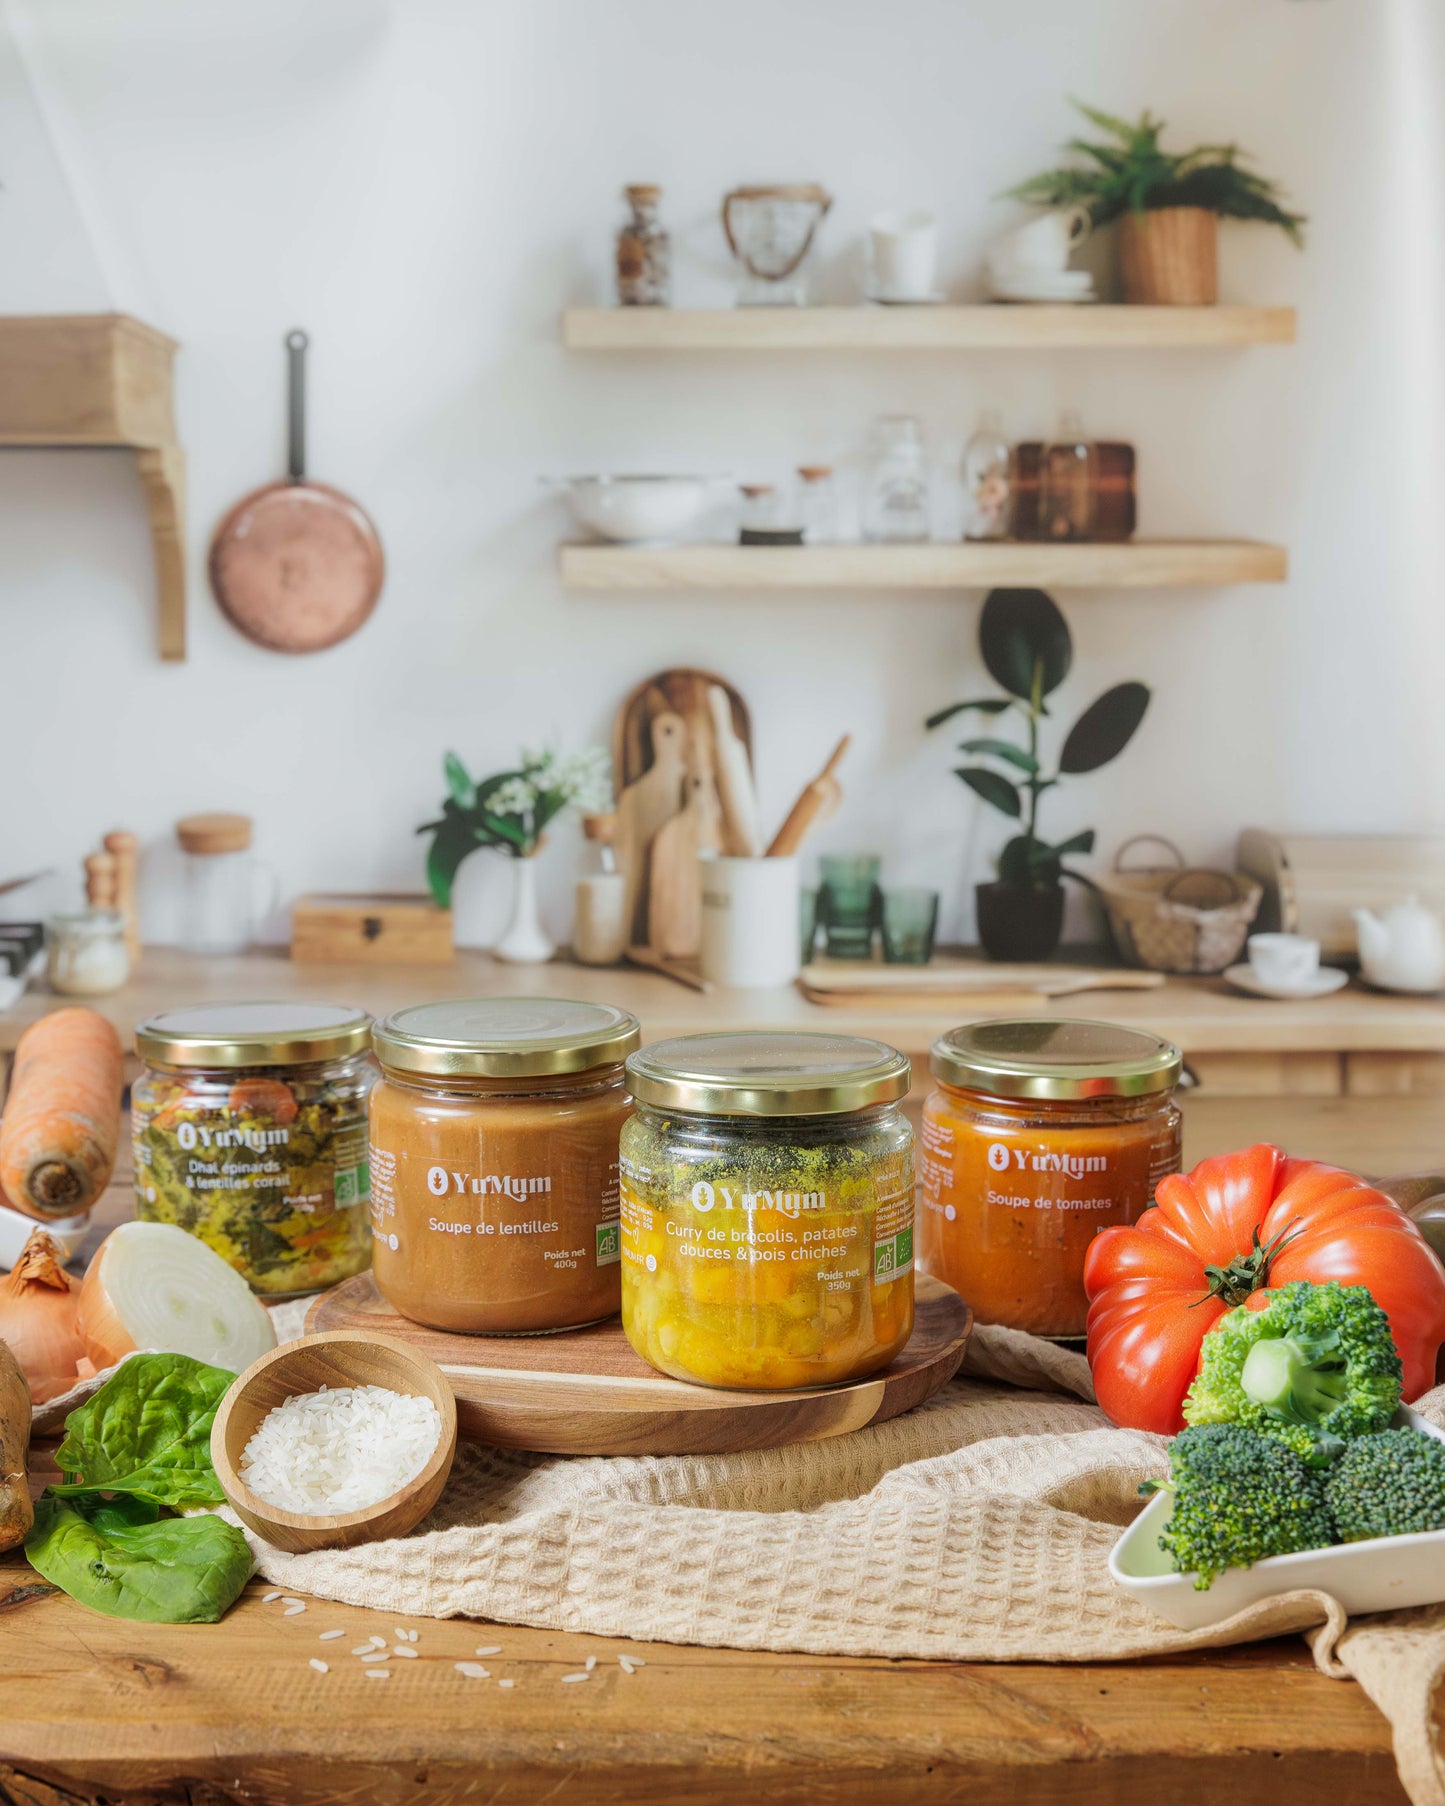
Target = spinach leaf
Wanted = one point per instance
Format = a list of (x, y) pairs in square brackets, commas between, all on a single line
[(148, 1432), (120, 1557)]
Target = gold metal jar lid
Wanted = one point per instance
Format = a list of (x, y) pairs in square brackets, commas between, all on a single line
[(504, 1038), (253, 1034), (1034, 1057), (768, 1074)]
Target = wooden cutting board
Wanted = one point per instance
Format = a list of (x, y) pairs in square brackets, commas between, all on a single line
[(841, 981), (585, 1392)]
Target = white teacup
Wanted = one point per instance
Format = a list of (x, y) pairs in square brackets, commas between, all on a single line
[(1041, 246), (905, 255), (1283, 960)]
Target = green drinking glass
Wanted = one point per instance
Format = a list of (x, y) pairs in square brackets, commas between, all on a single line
[(910, 921), (848, 903)]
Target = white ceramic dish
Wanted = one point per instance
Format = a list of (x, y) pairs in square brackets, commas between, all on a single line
[(1323, 983), (1025, 288), (1383, 1575), (15, 1228), (881, 298), (635, 509)]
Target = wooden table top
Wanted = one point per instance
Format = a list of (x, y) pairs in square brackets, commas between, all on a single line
[(1203, 1015), (94, 1709)]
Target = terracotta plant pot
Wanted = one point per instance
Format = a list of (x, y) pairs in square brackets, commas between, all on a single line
[(1019, 921), (1168, 257)]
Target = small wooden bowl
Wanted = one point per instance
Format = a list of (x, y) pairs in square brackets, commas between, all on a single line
[(345, 1357)]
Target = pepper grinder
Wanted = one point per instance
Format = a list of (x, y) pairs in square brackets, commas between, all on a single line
[(125, 849), (102, 881)]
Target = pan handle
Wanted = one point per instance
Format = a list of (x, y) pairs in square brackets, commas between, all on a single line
[(296, 344)]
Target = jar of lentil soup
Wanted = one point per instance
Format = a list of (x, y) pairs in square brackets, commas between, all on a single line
[(494, 1138), (767, 1209), (1038, 1134), (249, 1130)]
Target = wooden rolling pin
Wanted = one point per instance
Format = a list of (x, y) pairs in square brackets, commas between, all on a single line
[(819, 799)]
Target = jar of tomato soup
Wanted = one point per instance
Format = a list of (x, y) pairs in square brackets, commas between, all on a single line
[(1037, 1135), (494, 1137), (767, 1209)]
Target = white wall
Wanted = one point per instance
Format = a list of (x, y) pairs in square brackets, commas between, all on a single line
[(424, 183)]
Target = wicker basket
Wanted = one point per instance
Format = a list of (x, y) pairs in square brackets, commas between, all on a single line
[(1178, 918)]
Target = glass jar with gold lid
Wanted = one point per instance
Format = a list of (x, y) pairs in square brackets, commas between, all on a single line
[(249, 1130), (494, 1137), (1038, 1134), (767, 1209)]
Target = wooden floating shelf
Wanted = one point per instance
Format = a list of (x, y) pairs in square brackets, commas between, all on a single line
[(104, 380), (1139, 564), (991, 327)]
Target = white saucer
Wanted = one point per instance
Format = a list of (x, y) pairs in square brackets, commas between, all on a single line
[(1322, 984), (1019, 287), (936, 299)]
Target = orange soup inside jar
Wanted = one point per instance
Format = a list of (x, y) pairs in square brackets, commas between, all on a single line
[(1038, 1134)]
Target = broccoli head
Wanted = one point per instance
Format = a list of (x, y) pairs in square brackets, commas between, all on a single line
[(1238, 1497), (1315, 1367), (1392, 1484)]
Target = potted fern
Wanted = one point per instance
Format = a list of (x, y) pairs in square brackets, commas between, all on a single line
[(1027, 649), (1168, 204)]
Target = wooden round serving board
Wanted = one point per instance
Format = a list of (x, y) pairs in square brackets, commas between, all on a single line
[(585, 1392)]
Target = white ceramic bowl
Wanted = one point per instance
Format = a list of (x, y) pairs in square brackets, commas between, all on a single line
[(637, 508), (1385, 1574)]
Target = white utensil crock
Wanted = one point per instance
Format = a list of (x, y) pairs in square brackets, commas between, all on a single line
[(749, 922)]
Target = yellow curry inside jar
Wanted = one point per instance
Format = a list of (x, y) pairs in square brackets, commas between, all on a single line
[(767, 1209), (248, 1127)]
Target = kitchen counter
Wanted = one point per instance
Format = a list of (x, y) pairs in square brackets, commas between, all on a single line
[(1356, 1042), (93, 1709)]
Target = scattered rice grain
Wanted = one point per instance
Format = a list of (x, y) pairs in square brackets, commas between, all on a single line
[(291, 1611), (626, 1665), (506, 1683), (378, 1674), (330, 1636), (378, 1642), (581, 1675), (490, 1649), (474, 1671), (364, 1649), (266, 1598), (591, 1663), (411, 1635), (320, 1666), (405, 1649)]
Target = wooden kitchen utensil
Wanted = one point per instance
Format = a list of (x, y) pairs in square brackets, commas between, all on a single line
[(844, 982), (297, 566), (734, 780), (585, 1392), (340, 1357), (674, 900), (652, 799), (818, 801)]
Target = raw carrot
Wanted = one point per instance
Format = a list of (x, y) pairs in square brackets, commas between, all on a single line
[(62, 1118), (17, 1514)]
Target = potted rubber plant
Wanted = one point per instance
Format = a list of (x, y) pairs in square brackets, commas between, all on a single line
[(1168, 204), (510, 810), (1027, 649)]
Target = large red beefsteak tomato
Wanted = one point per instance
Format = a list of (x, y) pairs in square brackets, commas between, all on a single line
[(1236, 1226)]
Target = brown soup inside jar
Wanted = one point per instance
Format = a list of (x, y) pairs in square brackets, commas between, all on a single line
[(494, 1150)]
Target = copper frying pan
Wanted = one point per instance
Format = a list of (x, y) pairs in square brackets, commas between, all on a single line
[(297, 566)]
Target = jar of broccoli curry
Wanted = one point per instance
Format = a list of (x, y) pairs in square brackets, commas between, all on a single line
[(767, 1209), (494, 1162), (249, 1130)]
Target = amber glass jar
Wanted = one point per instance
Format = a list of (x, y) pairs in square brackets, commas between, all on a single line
[(767, 1209), (494, 1162), (248, 1126), (1039, 1134)]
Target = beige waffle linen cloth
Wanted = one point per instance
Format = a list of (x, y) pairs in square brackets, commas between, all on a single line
[(976, 1528)]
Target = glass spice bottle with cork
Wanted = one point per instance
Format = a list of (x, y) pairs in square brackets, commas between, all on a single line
[(644, 251)]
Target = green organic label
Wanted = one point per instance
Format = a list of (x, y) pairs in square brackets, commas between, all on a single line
[(353, 1185), (893, 1258), (609, 1244)]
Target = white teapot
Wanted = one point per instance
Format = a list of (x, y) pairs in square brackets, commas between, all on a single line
[(1403, 948)]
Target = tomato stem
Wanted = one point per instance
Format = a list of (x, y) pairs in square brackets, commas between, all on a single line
[(1247, 1273)]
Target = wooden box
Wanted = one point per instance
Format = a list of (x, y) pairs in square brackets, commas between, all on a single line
[(85, 379), (384, 930)]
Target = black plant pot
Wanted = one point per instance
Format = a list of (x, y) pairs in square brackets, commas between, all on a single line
[(1019, 921)]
